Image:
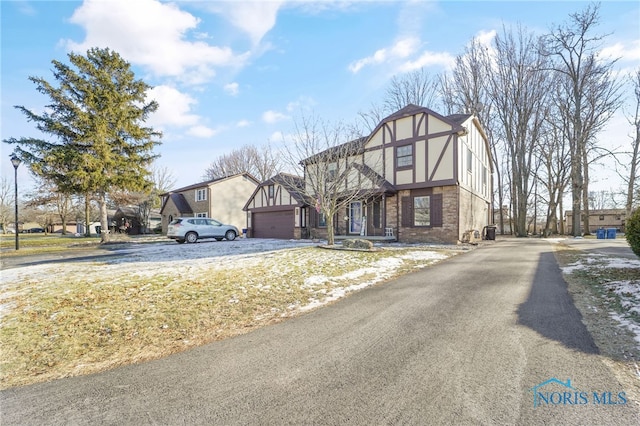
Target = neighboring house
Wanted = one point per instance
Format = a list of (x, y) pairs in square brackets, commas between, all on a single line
[(598, 219), (276, 210), (506, 219), (127, 220), (428, 178), (221, 199)]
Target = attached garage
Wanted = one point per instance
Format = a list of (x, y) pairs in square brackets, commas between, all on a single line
[(278, 224)]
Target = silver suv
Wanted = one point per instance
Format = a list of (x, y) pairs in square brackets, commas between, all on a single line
[(191, 229)]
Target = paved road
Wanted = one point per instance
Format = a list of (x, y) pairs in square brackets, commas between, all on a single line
[(463, 342)]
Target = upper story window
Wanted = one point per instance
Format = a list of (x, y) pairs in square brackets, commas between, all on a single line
[(201, 194), (271, 191), (404, 156), (469, 160), (332, 169)]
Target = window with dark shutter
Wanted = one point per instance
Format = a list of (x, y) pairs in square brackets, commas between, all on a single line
[(407, 216), (376, 214), (436, 210)]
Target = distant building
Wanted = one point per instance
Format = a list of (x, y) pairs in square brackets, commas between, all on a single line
[(598, 219)]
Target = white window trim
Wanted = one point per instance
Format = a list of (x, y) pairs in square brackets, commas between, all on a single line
[(201, 194)]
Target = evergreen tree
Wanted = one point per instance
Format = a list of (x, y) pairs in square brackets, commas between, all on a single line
[(96, 121)]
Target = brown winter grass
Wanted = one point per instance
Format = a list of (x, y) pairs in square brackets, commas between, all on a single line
[(75, 323), (588, 288), (43, 243)]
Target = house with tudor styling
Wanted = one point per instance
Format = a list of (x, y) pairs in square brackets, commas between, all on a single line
[(424, 178)]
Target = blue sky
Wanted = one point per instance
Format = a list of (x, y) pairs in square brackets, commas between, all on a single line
[(228, 74)]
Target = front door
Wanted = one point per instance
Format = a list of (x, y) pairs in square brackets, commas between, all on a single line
[(355, 217)]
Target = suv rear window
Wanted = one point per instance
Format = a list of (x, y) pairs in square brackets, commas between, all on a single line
[(176, 222)]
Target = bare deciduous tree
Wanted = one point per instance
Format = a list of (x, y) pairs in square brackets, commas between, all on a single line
[(590, 96), (519, 92), (466, 90), (554, 174), (6, 203), (259, 162), (632, 166), (416, 87), (48, 201), (335, 173), (162, 178)]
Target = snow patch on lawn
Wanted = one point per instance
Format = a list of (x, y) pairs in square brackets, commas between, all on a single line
[(379, 271), (600, 260), (627, 292), (172, 260)]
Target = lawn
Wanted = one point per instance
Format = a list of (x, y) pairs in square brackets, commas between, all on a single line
[(79, 318), (43, 243)]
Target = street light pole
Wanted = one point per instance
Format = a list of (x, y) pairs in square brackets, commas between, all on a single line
[(16, 162)]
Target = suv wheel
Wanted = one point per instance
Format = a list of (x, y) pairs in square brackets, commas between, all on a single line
[(230, 235), (191, 237)]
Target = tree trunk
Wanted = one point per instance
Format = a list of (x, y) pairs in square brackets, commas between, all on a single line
[(561, 212), (576, 194), (104, 220), (632, 175), (330, 230), (87, 216), (585, 193)]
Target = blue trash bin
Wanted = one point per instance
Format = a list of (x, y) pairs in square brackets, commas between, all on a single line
[(601, 234), (611, 233)]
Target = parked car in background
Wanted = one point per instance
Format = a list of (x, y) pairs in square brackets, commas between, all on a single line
[(191, 229), (34, 230)]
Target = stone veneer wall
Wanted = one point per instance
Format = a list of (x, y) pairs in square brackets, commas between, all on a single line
[(448, 233)]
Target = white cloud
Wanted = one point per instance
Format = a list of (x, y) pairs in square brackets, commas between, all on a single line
[(231, 88), (304, 103), (403, 48), (255, 18), (174, 107), (485, 38), (276, 137), (243, 123), (271, 117), (629, 52), (427, 59), (151, 34), (202, 132), (174, 110)]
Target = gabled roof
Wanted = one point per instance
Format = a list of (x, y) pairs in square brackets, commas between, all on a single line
[(292, 183), (459, 118), (412, 109), (179, 201), (353, 147), (209, 182), (133, 211)]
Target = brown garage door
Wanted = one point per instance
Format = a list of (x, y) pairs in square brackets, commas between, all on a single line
[(273, 225)]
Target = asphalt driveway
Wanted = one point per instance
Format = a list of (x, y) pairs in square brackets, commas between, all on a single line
[(466, 341)]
